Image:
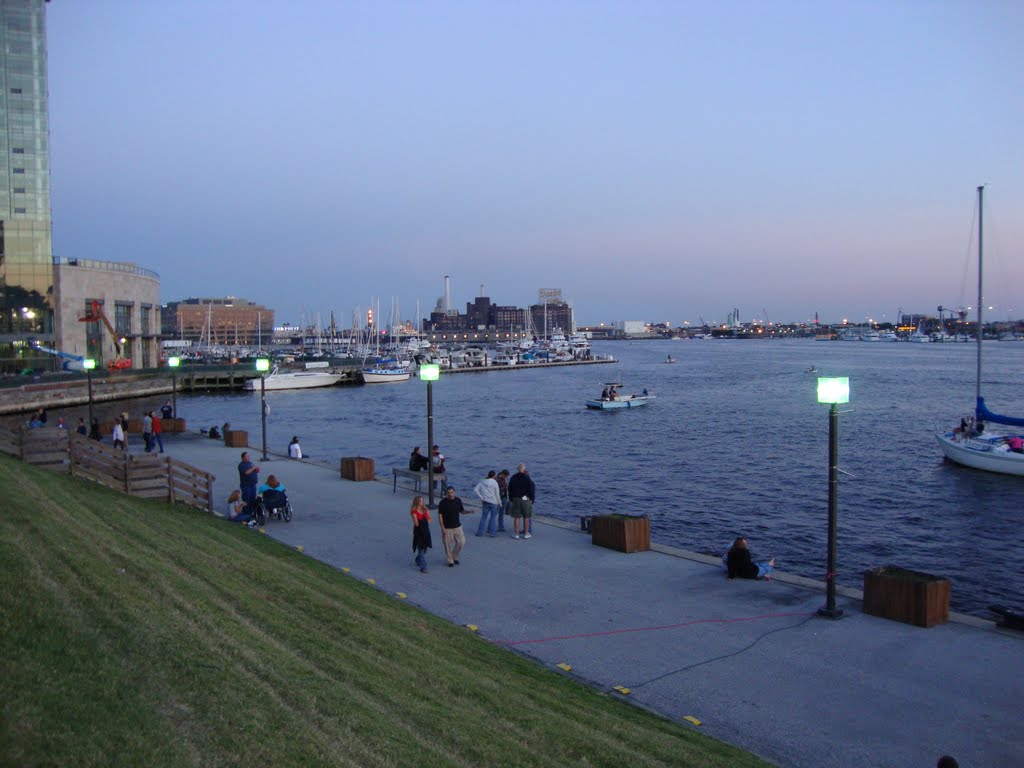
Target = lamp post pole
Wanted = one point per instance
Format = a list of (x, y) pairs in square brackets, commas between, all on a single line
[(89, 365), (173, 363), (263, 365), (834, 392), (429, 372)]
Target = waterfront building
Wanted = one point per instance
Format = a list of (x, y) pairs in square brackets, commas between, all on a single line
[(127, 295), (225, 321), (552, 312), (26, 271)]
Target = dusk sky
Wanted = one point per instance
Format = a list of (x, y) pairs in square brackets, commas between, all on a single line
[(658, 161)]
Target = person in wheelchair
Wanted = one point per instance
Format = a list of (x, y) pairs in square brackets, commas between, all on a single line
[(274, 499)]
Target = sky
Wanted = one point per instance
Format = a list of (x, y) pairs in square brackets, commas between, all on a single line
[(657, 161)]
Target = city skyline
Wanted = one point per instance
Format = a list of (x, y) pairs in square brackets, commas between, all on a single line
[(656, 161)]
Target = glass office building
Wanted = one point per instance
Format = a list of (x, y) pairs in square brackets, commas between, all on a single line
[(26, 261)]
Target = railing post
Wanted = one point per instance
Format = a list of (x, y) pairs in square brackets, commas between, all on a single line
[(170, 480), (127, 472)]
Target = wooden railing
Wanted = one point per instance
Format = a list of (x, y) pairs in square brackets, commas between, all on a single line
[(147, 475)]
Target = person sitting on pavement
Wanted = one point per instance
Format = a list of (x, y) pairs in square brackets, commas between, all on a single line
[(417, 461), (235, 510), (294, 449), (273, 493), (741, 565), (214, 433)]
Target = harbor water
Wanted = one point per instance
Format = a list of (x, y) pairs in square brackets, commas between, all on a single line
[(735, 443)]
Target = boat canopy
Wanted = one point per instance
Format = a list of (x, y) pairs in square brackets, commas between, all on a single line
[(984, 414)]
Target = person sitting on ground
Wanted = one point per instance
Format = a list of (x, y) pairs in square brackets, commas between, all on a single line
[(273, 493), (214, 433), (234, 509), (438, 461), (742, 566), (417, 461), (294, 449)]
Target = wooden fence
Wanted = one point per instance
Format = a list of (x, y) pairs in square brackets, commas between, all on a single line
[(148, 475)]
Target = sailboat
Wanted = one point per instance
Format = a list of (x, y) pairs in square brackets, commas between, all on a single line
[(977, 445)]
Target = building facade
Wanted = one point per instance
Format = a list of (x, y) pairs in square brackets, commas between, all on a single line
[(26, 270), (125, 294), (227, 321)]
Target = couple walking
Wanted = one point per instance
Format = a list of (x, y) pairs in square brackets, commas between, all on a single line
[(499, 495)]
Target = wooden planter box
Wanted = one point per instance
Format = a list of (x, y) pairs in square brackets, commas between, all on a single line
[(903, 595), (174, 425), (357, 468), (625, 533), (236, 438)]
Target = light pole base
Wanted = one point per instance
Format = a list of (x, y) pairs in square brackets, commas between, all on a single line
[(830, 613)]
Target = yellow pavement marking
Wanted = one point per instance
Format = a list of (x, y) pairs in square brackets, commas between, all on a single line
[(401, 595), (692, 719), (300, 548), (263, 531), (564, 666), (472, 627), (370, 581), (624, 691), (346, 570)]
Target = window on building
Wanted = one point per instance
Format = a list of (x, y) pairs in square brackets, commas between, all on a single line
[(19, 190), (19, 170), (146, 312), (15, 90), (93, 336), (19, 210), (18, 150), (123, 320)]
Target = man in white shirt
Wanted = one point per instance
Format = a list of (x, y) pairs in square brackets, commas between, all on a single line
[(488, 492), (294, 449)]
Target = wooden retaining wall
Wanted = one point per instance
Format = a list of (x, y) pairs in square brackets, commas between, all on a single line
[(147, 475)]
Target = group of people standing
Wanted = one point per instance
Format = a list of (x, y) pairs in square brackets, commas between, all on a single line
[(499, 495)]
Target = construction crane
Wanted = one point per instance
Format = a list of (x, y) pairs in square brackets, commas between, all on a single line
[(71, 362), (96, 315)]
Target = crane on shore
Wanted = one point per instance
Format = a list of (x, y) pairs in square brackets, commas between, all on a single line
[(96, 315)]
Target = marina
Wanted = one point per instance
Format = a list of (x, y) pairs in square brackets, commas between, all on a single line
[(736, 444)]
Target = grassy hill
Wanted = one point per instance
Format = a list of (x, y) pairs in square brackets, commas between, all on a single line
[(136, 633)]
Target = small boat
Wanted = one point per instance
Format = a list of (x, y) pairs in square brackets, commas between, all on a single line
[(979, 446), (671, 359), (919, 336), (888, 336), (278, 379), (386, 371), (611, 399), (871, 335)]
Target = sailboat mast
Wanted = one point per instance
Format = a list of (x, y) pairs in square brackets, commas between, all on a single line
[(981, 228)]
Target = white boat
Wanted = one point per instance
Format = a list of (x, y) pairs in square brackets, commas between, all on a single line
[(888, 336), (919, 336), (671, 359), (386, 371), (871, 335), (984, 448), (611, 399), (278, 379)]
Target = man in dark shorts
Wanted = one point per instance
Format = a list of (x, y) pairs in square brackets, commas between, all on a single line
[(521, 491)]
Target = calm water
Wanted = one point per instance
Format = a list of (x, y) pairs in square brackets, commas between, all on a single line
[(735, 444)]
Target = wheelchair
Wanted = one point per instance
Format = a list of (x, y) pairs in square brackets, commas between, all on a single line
[(269, 506)]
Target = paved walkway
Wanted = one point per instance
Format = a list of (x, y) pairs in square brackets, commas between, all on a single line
[(749, 660)]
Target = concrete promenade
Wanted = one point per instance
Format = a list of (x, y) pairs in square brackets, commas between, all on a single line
[(749, 660)]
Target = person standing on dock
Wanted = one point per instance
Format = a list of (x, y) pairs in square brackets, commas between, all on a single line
[(522, 492), (503, 494), (167, 410), (248, 478), (147, 431), (118, 435), (158, 430), (489, 493)]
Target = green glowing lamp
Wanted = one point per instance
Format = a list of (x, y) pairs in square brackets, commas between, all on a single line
[(89, 364), (834, 390), (262, 364), (173, 362), (430, 372)]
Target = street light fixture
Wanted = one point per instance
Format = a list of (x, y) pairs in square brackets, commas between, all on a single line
[(833, 391), (88, 364), (430, 372), (263, 365), (173, 363)]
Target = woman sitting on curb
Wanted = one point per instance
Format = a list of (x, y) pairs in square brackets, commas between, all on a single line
[(235, 511), (740, 564)]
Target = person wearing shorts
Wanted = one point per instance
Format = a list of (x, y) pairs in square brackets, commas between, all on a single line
[(522, 492)]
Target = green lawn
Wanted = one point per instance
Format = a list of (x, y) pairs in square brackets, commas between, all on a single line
[(135, 633)]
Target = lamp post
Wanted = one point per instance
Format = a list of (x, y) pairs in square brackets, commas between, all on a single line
[(89, 364), (832, 391), (430, 373), (173, 363), (263, 365)]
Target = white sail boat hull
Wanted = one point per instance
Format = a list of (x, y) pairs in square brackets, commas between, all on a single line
[(987, 453)]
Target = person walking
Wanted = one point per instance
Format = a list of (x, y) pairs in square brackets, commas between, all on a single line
[(522, 492), (147, 431), (118, 436), (248, 479), (448, 511), (489, 493), (503, 493), (158, 430), (420, 532)]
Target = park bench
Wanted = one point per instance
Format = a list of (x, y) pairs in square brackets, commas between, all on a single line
[(417, 478)]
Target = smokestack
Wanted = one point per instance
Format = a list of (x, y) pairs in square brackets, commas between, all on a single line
[(447, 294), (481, 289)]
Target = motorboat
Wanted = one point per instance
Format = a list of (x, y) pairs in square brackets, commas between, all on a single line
[(278, 379), (871, 335), (975, 443), (919, 336), (611, 399), (671, 359), (386, 371), (888, 336)]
